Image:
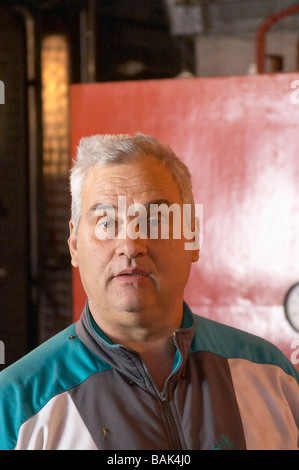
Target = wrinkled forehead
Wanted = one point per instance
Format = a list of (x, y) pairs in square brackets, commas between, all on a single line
[(139, 181)]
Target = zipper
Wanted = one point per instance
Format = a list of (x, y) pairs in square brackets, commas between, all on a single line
[(173, 435), (163, 394), (164, 390)]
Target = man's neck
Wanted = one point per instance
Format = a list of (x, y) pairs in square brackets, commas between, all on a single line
[(159, 360), (154, 343), (157, 352)]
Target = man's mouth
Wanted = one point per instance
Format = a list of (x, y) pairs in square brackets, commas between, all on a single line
[(131, 274)]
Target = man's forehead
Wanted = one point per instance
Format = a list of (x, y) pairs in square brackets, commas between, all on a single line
[(146, 166), (134, 179)]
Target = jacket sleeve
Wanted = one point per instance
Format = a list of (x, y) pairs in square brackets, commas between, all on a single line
[(268, 399)]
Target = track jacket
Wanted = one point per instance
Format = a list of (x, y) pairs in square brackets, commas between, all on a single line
[(227, 390)]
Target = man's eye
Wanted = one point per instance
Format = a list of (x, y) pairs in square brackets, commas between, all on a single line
[(105, 229), (106, 224), (154, 222)]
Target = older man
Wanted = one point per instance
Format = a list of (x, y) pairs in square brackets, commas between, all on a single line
[(139, 371)]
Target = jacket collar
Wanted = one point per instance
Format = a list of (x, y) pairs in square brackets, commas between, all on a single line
[(127, 361)]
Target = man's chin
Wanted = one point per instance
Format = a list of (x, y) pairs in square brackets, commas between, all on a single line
[(131, 307), (136, 305), (132, 299)]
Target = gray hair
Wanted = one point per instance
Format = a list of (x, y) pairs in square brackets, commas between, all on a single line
[(100, 150)]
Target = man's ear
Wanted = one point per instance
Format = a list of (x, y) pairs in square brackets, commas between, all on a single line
[(198, 234), (72, 242), (195, 255)]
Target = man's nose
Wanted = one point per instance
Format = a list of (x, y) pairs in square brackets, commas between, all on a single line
[(131, 248), (131, 241)]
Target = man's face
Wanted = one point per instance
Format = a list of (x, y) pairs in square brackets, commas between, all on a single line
[(127, 280)]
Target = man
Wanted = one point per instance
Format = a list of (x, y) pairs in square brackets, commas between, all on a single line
[(139, 371)]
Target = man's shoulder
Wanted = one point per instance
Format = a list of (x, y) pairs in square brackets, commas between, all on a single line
[(41, 358), (54, 367), (62, 361), (232, 343)]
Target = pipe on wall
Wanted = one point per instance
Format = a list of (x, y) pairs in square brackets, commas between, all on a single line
[(262, 30), (34, 126)]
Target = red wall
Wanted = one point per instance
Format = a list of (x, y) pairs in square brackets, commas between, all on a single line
[(239, 136)]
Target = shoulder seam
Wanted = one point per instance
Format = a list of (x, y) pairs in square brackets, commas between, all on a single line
[(239, 344)]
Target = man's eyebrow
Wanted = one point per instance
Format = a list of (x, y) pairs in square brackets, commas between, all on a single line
[(158, 202), (103, 206)]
